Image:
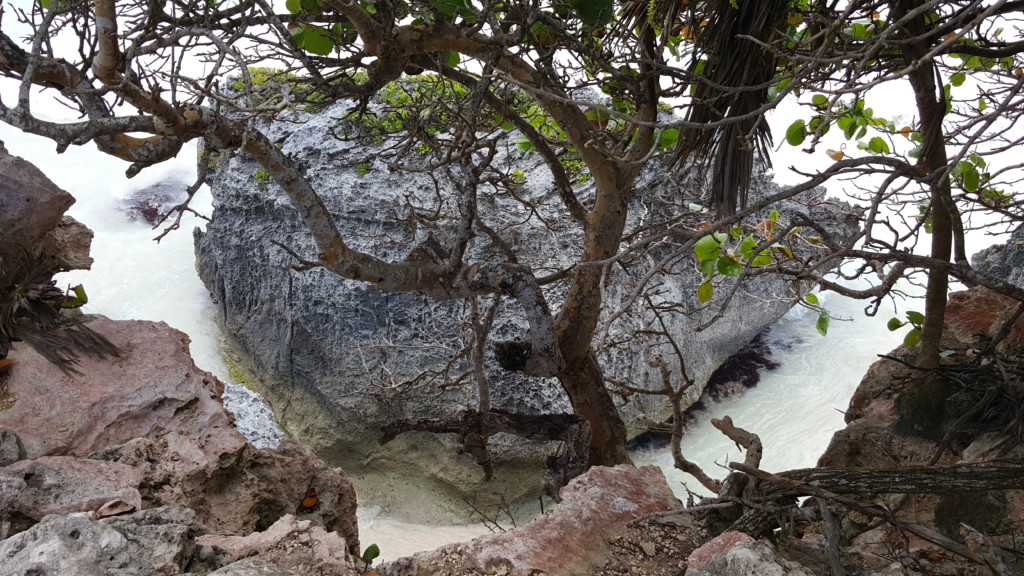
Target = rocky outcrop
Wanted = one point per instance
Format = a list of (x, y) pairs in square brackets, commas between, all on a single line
[(36, 231), (155, 416), (336, 359), (136, 439), (117, 465), (287, 544), (901, 417), (731, 554), (157, 541), (570, 540)]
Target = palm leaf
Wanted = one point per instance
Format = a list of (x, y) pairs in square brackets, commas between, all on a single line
[(732, 86)]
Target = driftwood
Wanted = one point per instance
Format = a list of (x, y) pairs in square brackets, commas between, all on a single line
[(994, 475), (474, 428), (867, 509)]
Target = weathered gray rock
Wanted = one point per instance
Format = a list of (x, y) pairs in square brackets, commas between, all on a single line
[(11, 449), (289, 546), (334, 358), (62, 485), (568, 541), (157, 541), (749, 557)]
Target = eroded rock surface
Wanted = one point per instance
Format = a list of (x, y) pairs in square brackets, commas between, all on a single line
[(36, 231), (157, 541), (336, 358), (160, 419), (287, 544), (595, 507)]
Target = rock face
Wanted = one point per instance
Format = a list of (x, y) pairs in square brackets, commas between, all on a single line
[(338, 359), (595, 507), (116, 467), (158, 541), (155, 415), (897, 417), (748, 557), (35, 227)]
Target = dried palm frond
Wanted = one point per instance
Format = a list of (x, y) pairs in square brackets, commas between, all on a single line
[(31, 311), (733, 85)]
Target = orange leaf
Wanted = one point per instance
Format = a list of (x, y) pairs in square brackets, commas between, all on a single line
[(836, 155)]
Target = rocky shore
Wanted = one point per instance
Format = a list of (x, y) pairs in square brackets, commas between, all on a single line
[(337, 359), (127, 463)]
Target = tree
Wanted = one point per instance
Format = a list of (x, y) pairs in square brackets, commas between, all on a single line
[(585, 77), (126, 76)]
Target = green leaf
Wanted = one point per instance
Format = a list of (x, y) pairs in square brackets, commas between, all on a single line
[(293, 6), (747, 247), (317, 41), (912, 338), (729, 267), (668, 139), (851, 127), (705, 291), (372, 551), (761, 259), (822, 324), (709, 247), (958, 79), (593, 12), (972, 180), (452, 59), (776, 247), (736, 232), (894, 324), (796, 133), (507, 125), (916, 318), (878, 145), (78, 300), (773, 215), (523, 144), (811, 298), (819, 100), (707, 268)]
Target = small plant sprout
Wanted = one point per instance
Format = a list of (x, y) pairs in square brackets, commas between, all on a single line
[(262, 177), (369, 555), (915, 319)]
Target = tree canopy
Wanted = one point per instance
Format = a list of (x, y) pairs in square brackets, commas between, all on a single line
[(592, 78)]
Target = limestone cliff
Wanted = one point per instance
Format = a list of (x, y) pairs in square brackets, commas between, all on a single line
[(338, 359)]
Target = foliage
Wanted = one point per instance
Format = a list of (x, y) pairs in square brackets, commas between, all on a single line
[(584, 85), (370, 553), (262, 177)]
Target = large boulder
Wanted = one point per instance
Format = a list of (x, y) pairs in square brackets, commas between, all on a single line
[(150, 425), (337, 359), (154, 387), (157, 541), (37, 234)]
